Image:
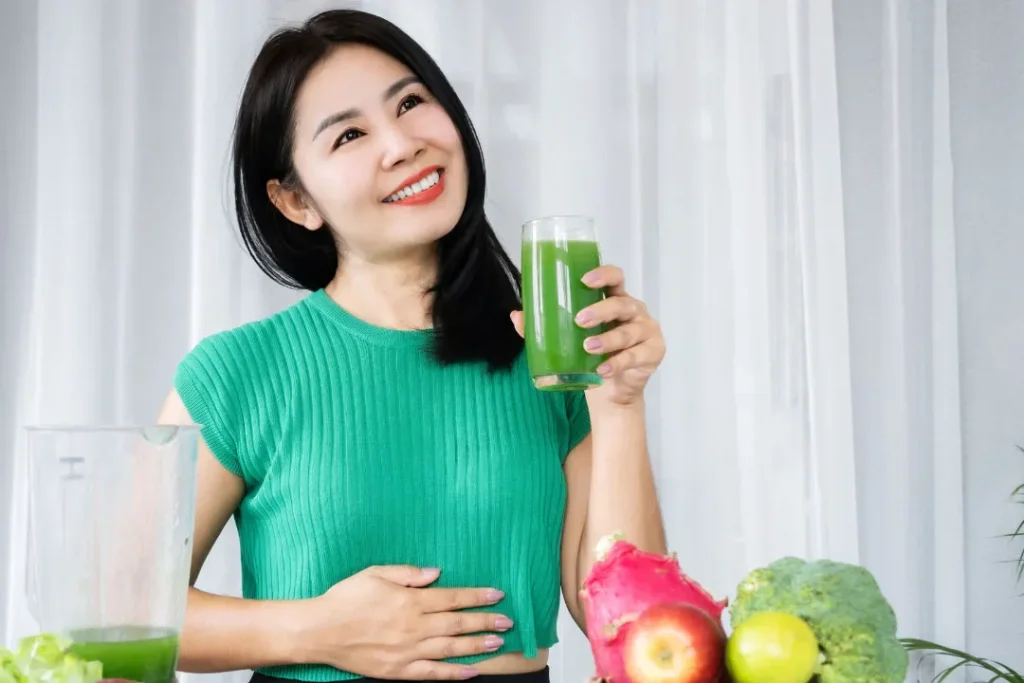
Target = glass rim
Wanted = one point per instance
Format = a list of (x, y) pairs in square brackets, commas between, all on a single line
[(561, 217), (69, 428)]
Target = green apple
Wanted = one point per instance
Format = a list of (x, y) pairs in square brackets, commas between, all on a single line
[(772, 647)]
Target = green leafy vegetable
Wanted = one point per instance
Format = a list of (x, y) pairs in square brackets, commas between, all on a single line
[(44, 659)]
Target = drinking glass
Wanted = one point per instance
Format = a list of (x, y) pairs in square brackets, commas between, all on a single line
[(111, 513), (557, 252)]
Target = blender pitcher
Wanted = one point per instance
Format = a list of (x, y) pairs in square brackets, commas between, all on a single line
[(111, 514)]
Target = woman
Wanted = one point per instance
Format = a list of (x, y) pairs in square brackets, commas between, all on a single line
[(407, 503)]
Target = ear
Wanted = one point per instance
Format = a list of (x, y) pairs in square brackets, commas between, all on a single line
[(293, 206)]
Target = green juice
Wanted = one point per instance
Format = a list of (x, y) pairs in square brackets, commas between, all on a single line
[(553, 294), (134, 653)]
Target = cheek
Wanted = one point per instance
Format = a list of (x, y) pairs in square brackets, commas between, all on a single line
[(435, 126), (446, 137), (451, 138), (341, 183)]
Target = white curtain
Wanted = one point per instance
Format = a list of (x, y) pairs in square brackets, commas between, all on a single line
[(819, 200)]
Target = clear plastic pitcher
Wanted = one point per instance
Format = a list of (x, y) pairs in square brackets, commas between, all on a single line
[(111, 514)]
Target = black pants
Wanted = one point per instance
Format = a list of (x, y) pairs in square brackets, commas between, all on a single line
[(542, 676)]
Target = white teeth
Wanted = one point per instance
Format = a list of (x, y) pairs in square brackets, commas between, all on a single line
[(415, 188)]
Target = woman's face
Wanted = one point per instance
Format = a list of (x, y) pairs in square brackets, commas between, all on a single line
[(379, 159)]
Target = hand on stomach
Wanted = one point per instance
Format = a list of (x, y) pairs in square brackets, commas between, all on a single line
[(386, 622)]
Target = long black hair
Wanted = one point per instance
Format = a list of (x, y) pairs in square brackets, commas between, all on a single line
[(477, 284)]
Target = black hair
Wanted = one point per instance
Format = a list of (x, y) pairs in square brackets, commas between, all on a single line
[(477, 284)]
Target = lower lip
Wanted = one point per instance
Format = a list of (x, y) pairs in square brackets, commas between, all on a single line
[(425, 197)]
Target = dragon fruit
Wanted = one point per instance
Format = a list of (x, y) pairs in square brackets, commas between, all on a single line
[(620, 586)]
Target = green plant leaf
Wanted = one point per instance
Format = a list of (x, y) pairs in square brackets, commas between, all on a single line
[(1018, 493), (999, 671), (963, 660)]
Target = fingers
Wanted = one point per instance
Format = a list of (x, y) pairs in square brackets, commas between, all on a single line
[(437, 671), (635, 329), (453, 599), (644, 357), (517, 322), (636, 341), (612, 309), (405, 575), (446, 647), (622, 337), (461, 623), (610, 278)]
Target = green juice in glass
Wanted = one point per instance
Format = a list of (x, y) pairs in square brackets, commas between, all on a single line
[(557, 253), (147, 655)]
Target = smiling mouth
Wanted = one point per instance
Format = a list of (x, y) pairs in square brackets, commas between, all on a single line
[(420, 187)]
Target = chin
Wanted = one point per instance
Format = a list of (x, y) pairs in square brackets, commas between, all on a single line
[(430, 232), (427, 221), (413, 234)]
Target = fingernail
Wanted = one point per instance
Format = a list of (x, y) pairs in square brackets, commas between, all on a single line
[(469, 672), (431, 572), (590, 278), (584, 317), (503, 623), (592, 344), (604, 369), (494, 595), (492, 643)]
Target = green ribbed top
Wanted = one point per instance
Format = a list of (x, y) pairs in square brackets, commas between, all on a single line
[(358, 449)]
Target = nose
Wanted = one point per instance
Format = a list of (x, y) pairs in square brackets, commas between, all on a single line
[(400, 147)]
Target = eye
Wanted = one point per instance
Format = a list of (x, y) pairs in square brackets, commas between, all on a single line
[(409, 102), (348, 136)]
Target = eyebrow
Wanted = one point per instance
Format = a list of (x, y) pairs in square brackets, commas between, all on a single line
[(392, 90)]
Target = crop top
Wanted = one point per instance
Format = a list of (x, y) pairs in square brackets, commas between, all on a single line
[(357, 448)]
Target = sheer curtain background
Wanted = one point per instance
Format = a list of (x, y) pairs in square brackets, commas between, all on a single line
[(819, 200)]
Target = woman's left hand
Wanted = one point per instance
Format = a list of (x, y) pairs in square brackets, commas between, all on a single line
[(634, 345)]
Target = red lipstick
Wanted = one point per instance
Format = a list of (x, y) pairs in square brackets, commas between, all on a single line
[(423, 195)]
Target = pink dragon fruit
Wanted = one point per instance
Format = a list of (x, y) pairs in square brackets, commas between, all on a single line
[(620, 586)]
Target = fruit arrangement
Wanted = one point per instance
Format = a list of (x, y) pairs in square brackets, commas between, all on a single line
[(44, 659), (793, 621)]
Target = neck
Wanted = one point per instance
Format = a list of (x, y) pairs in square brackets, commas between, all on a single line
[(390, 294)]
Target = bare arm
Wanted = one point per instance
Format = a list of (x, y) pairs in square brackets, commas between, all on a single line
[(610, 488), (609, 478), (223, 633), (577, 468)]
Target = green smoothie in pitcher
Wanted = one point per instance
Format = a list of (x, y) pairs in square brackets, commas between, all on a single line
[(146, 655), (553, 293)]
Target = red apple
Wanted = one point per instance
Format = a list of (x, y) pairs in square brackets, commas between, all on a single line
[(674, 643)]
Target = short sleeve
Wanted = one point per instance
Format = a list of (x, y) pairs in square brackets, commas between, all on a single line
[(208, 383), (579, 418)]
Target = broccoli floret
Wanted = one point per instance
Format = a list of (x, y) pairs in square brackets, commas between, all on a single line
[(842, 603)]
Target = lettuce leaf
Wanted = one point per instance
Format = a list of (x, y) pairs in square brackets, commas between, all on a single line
[(44, 658)]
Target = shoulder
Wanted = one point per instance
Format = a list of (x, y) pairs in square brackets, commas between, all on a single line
[(224, 356), (225, 367), (244, 351), (225, 377)]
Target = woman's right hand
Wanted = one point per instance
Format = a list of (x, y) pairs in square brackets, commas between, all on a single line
[(384, 622)]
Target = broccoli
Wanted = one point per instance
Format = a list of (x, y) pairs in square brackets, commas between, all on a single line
[(842, 603)]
